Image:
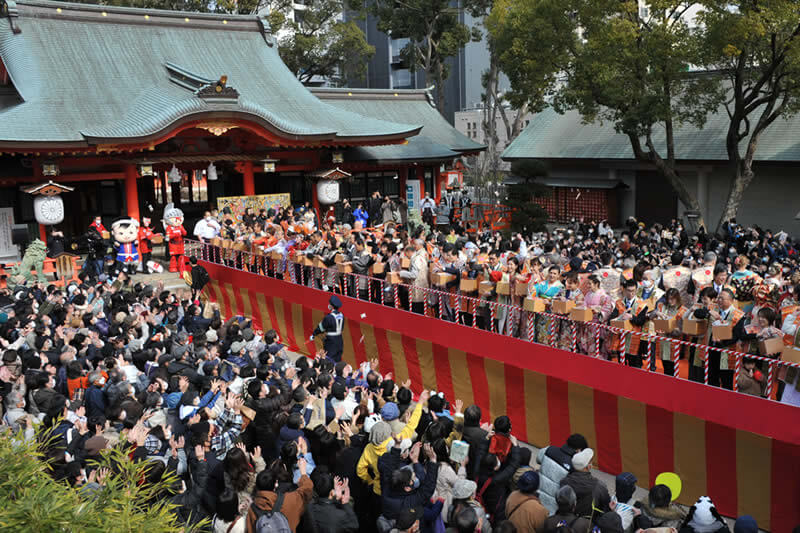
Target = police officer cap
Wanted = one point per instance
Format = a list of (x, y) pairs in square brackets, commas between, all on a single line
[(335, 302)]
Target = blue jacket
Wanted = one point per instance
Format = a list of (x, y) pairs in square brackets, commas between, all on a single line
[(360, 214), (95, 402)]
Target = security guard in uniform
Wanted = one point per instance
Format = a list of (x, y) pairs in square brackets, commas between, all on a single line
[(332, 326)]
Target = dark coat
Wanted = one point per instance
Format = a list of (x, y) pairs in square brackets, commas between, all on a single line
[(494, 497), (475, 437), (394, 502), (95, 402), (583, 483), (329, 516)]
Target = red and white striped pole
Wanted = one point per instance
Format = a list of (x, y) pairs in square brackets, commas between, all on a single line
[(425, 302), (531, 332), (737, 368), (676, 359), (706, 365), (474, 307), (574, 331), (396, 293), (441, 306), (597, 340), (492, 315), (770, 379), (648, 358), (622, 340)]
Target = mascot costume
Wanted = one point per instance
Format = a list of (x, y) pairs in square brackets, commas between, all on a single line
[(174, 232), (125, 232)]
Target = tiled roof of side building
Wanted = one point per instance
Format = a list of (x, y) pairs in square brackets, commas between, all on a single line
[(403, 105), (553, 136), (86, 71)]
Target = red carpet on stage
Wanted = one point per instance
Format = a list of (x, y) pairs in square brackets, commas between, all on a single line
[(741, 450)]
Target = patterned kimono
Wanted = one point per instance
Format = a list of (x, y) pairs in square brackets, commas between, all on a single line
[(744, 282), (665, 347), (545, 290), (602, 305), (565, 327)]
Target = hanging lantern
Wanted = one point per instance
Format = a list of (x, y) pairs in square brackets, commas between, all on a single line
[(211, 172), (48, 206), (146, 169), (174, 175), (269, 166), (337, 157), (327, 192)]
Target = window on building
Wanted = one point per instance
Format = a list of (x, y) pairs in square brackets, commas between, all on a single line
[(469, 126), (401, 79), (474, 126), (299, 15)]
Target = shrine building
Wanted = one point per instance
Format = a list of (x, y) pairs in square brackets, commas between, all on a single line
[(134, 108)]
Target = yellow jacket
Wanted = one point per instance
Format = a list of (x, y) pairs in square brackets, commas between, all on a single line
[(369, 458)]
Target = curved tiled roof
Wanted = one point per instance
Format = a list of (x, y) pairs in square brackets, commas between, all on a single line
[(88, 72), (402, 105), (553, 136)]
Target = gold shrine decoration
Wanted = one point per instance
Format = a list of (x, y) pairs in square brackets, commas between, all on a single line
[(218, 128)]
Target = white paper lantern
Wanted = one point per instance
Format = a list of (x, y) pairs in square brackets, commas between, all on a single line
[(48, 210), (327, 192)]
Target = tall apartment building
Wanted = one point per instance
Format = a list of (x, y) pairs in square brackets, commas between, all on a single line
[(387, 70)]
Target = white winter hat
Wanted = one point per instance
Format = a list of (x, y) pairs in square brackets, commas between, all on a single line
[(582, 459)]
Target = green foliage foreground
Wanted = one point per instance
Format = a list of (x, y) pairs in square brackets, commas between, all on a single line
[(33, 501)]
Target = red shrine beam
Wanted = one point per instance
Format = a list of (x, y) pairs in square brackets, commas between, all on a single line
[(741, 450)]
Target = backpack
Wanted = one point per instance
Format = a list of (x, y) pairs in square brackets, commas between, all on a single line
[(272, 521), (500, 445)]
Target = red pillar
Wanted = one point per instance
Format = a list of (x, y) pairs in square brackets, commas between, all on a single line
[(315, 204), (43, 233), (248, 182), (131, 191)]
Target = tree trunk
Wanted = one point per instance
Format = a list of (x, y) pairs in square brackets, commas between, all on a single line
[(669, 173), (440, 100), (742, 179)]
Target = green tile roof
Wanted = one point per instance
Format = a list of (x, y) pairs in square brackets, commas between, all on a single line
[(419, 148), (437, 140), (553, 136), (89, 72)]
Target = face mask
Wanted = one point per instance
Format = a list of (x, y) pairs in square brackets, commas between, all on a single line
[(647, 283)]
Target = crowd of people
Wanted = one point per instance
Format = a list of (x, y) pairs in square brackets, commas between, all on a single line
[(647, 281), (265, 440)]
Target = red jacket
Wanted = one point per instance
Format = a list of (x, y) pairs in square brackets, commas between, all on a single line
[(145, 236), (176, 235), (99, 227)]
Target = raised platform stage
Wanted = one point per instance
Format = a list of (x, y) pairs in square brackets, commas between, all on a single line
[(741, 450)]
